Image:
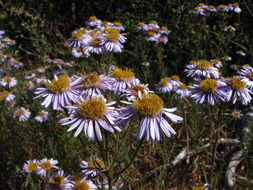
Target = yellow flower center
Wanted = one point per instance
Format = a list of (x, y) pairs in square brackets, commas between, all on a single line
[(216, 61), (20, 112), (141, 23), (201, 4), (199, 187), (92, 18), (57, 181), (183, 87), (161, 38), (208, 85), (235, 4), (236, 114), (164, 81), (32, 167), (57, 60), (212, 7), (137, 88), (93, 109), (42, 114), (96, 164), (151, 33), (153, 22), (197, 8), (46, 165), (3, 95), (175, 77), (91, 80), (123, 75), (222, 6), (203, 64), (250, 75), (112, 37), (95, 42), (59, 85), (164, 28), (237, 84), (112, 30), (77, 35), (148, 104), (118, 24), (105, 23), (7, 79), (230, 27), (82, 185)]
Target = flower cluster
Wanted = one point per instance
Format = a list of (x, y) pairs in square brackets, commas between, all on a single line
[(55, 178), (153, 32), (205, 10), (100, 38), (5, 41)]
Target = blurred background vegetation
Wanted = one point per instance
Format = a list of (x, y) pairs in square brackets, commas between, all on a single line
[(41, 28)]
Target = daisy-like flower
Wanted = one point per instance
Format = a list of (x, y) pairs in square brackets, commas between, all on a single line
[(57, 61), (229, 28), (59, 92), (94, 84), (118, 26), (183, 91), (153, 124), (210, 90), (240, 52), (46, 165), (136, 90), (92, 115), (175, 81), (201, 68), (59, 181), (164, 85), (227, 58), (237, 114), (246, 74), (96, 45), (22, 114), (8, 81), (112, 42), (223, 8), (217, 63), (30, 86), (84, 184), (211, 8), (92, 168), (164, 30), (93, 21), (153, 24), (6, 96), (80, 52), (31, 166), (42, 116), (236, 89), (152, 36), (124, 78), (236, 7), (142, 26), (77, 39), (162, 39)]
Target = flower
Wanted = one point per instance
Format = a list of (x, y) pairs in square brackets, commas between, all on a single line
[(6, 96), (31, 166), (46, 165), (175, 81), (42, 116), (183, 91), (164, 85), (78, 38), (229, 28), (90, 115), (210, 90), (93, 21), (246, 73), (227, 58), (124, 78), (112, 42), (84, 184), (236, 8), (94, 84), (201, 68), (59, 181), (92, 167), (236, 89), (217, 63), (8, 81), (240, 52), (136, 90), (237, 114), (22, 114), (151, 111), (59, 92)]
